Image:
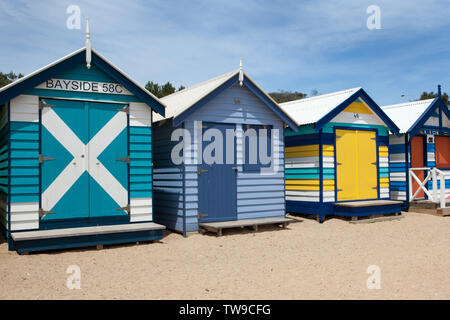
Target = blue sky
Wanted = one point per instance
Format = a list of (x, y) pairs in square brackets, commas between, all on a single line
[(290, 45)]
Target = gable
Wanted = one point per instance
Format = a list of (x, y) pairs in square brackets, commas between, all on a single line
[(100, 82), (435, 120), (236, 105), (358, 112), (82, 83)]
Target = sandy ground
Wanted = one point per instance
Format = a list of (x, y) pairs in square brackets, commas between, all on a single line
[(305, 261)]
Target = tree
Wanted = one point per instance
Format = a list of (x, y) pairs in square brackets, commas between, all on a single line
[(161, 90), (7, 78), (431, 95), (285, 96)]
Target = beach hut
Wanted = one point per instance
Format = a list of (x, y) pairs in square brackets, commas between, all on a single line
[(76, 149), (337, 161), (424, 143), (234, 190)]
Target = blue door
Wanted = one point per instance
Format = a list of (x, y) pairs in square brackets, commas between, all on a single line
[(217, 183), (84, 167)]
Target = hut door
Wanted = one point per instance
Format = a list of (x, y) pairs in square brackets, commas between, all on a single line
[(442, 145), (356, 161), (81, 143), (418, 161), (217, 190)]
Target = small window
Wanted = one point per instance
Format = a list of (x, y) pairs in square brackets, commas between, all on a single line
[(257, 147)]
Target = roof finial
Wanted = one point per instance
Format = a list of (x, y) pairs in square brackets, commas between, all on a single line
[(88, 45), (241, 73), (439, 90)]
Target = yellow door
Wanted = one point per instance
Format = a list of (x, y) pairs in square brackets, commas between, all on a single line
[(366, 153), (356, 157), (346, 164)]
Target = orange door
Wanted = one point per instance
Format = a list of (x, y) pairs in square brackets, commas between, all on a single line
[(442, 145), (418, 161)]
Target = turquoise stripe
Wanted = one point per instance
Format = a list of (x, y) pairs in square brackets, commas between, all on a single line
[(140, 139), (25, 126), (384, 170), (140, 147), (384, 175), (82, 95), (141, 194), (140, 155), (141, 130), (24, 189), (24, 171), (141, 186), (24, 198), (310, 170), (140, 178), (24, 145)]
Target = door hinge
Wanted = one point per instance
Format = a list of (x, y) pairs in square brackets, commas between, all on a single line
[(43, 104), (338, 164), (42, 158), (201, 215), (373, 139), (126, 159), (125, 109), (43, 213), (201, 170), (375, 188), (126, 208), (374, 163), (339, 190), (338, 137)]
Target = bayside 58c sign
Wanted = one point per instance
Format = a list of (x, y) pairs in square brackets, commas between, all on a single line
[(84, 86)]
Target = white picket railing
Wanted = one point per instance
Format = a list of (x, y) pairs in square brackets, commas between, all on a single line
[(435, 175)]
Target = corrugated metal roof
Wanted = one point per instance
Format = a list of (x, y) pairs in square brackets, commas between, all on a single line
[(178, 102), (311, 110), (406, 114)]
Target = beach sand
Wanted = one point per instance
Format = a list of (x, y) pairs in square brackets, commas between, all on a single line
[(306, 261)]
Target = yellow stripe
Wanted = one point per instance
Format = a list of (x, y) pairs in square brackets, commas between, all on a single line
[(383, 149), (308, 151), (358, 107), (384, 180)]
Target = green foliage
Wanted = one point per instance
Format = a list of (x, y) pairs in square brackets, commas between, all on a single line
[(285, 96), (431, 95), (7, 78), (161, 90)]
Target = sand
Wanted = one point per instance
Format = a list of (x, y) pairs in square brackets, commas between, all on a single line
[(305, 261)]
